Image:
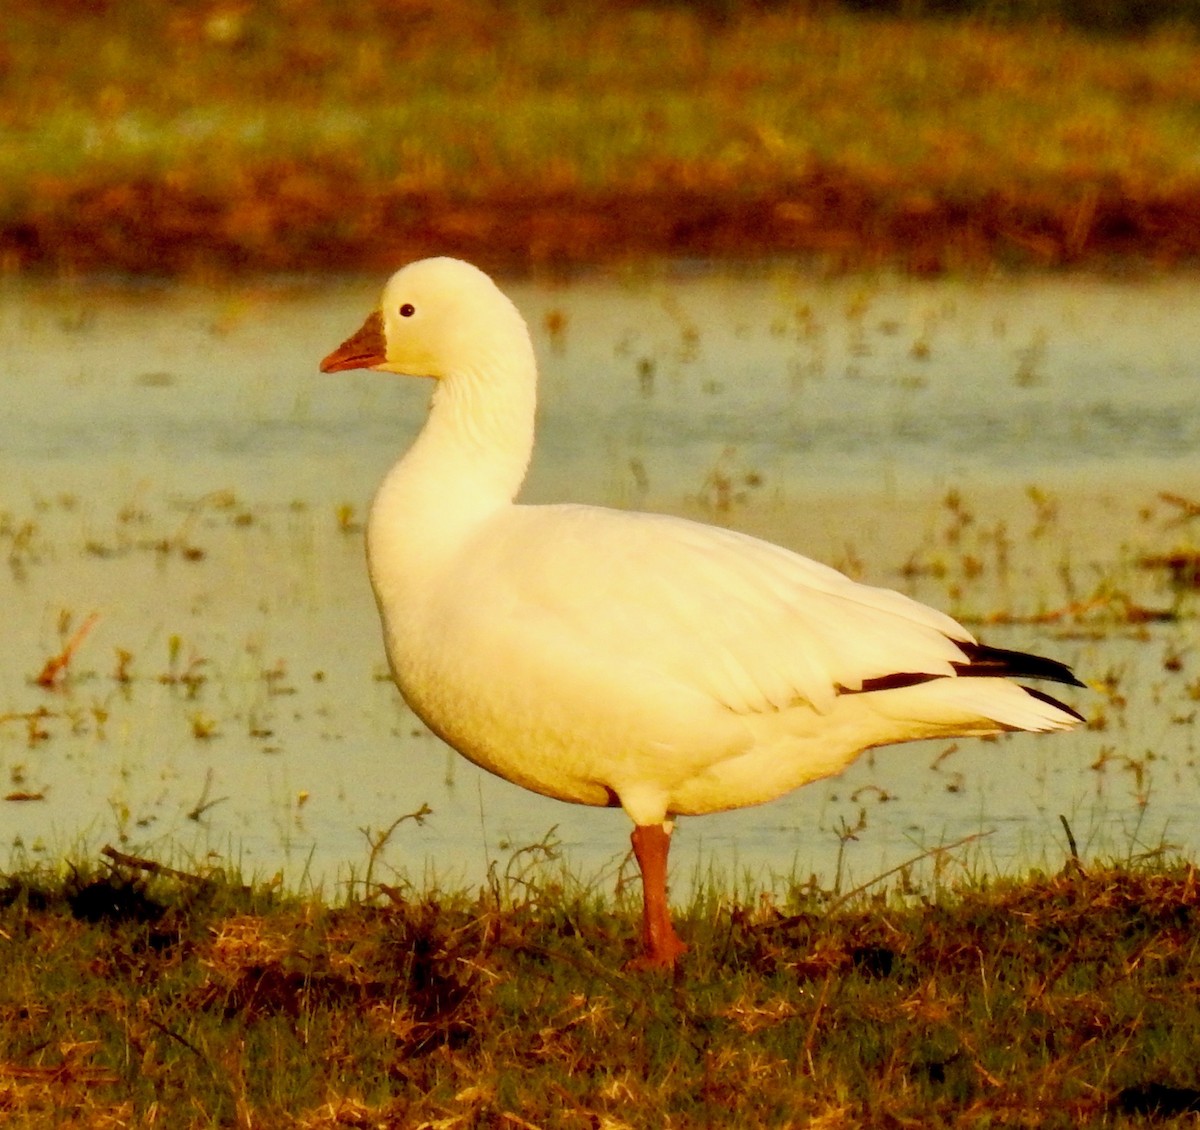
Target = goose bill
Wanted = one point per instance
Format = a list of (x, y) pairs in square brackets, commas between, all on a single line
[(363, 349)]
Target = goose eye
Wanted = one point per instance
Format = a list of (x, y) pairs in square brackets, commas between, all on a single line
[(407, 310)]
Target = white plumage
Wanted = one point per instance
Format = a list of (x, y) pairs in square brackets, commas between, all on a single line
[(607, 657)]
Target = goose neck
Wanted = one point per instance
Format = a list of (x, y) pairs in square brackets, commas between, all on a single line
[(467, 464), (480, 434)]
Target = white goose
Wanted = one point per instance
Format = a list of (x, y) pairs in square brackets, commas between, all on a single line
[(615, 658)]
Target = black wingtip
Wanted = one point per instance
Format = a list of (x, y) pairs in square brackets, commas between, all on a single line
[(983, 660), (1050, 700)]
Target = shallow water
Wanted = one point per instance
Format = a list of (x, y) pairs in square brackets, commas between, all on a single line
[(171, 460)]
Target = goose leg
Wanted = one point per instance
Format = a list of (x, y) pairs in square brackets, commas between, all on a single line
[(651, 842)]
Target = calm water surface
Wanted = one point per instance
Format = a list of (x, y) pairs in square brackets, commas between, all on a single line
[(171, 461)]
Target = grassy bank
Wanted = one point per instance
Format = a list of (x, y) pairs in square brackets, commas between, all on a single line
[(302, 134), (1060, 1000)]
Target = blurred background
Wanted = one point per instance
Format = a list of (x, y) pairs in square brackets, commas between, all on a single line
[(308, 135)]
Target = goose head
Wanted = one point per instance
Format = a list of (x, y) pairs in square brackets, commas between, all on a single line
[(437, 318)]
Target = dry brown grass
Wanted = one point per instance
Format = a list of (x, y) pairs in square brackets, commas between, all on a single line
[(1058, 1000)]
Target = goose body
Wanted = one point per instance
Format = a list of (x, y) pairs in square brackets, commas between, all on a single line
[(613, 658)]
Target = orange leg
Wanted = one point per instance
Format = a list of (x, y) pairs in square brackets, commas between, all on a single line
[(651, 842)]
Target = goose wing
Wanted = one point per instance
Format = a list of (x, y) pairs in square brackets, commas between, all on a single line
[(753, 626)]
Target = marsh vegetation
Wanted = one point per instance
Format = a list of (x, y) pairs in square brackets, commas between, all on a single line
[(1058, 1000), (212, 136)]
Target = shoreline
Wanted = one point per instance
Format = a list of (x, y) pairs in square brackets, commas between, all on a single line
[(322, 223)]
